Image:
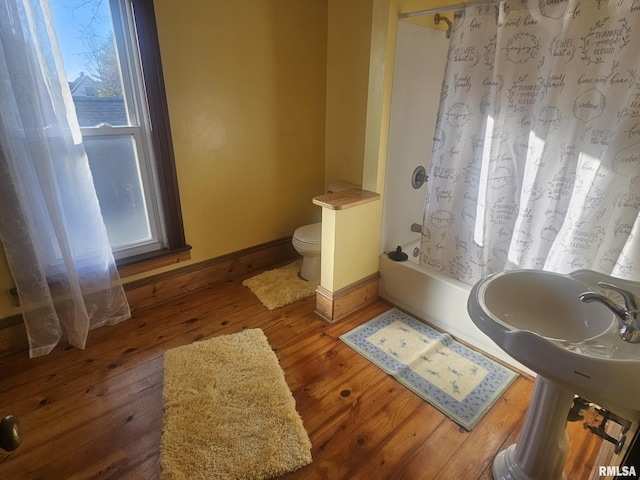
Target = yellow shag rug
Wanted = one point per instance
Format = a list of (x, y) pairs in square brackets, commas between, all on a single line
[(282, 286), (228, 412)]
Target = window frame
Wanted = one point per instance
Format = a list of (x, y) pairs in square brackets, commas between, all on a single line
[(159, 133)]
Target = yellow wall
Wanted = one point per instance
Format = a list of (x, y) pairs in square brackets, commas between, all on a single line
[(351, 238), (246, 87), (382, 53), (269, 101), (8, 304), (367, 228), (348, 45), (360, 46), (360, 54), (349, 245), (245, 83)]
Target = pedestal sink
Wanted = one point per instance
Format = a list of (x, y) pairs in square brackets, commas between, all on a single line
[(574, 347)]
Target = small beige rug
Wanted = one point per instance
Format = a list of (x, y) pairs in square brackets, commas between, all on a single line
[(280, 287), (228, 412)]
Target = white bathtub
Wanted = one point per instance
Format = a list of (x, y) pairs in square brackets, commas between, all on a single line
[(435, 299)]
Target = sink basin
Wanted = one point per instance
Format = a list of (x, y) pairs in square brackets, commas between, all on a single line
[(536, 317), (575, 347), (544, 303)]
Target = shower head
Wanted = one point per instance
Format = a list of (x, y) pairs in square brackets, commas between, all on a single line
[(437, 18)]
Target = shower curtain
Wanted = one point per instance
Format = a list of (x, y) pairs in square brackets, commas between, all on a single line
[(536, 154)]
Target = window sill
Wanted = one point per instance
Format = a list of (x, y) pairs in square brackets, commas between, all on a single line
[(152, 260)]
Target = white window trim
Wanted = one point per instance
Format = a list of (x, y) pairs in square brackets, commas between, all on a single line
[(126, 39)]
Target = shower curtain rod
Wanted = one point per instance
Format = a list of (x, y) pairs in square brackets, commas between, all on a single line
[(446, 8)]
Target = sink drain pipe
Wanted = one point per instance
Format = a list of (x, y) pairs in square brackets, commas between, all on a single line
[(600, 430), (577, 411)]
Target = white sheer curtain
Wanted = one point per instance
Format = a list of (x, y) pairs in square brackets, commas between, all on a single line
[(536, 158), (50, 222)]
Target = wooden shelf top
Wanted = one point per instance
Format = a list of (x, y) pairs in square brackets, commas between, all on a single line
[(345, 199)]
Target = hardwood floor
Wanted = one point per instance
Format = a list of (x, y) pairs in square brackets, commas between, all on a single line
[(97, 413)]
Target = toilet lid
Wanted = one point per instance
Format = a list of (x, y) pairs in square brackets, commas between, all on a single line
[(309, 233)]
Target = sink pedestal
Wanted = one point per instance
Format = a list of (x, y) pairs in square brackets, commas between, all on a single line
[(543, 444), (540, 319)]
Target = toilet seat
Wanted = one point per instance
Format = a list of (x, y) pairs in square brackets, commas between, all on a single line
[(309, 234)]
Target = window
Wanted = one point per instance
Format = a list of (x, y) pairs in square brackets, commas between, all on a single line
[(111, 55)]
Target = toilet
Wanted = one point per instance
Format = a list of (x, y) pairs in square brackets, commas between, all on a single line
[(307, 240)]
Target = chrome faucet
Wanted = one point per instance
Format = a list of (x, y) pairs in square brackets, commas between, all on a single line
[(627, 316)]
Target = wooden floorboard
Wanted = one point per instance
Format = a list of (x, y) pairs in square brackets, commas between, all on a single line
[(97, 413)]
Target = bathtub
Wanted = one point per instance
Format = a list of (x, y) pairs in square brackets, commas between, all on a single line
[(435, 299)]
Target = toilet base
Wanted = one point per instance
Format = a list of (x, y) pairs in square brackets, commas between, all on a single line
[(310, 269)]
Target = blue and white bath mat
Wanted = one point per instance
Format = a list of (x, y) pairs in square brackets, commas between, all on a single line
[(460, 382)]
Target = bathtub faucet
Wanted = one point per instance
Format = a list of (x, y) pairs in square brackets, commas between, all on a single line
[(627, 316)]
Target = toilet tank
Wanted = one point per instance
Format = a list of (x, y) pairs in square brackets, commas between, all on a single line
[(340, 185)]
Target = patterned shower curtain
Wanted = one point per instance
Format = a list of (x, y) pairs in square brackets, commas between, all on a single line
[(536, 156)]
